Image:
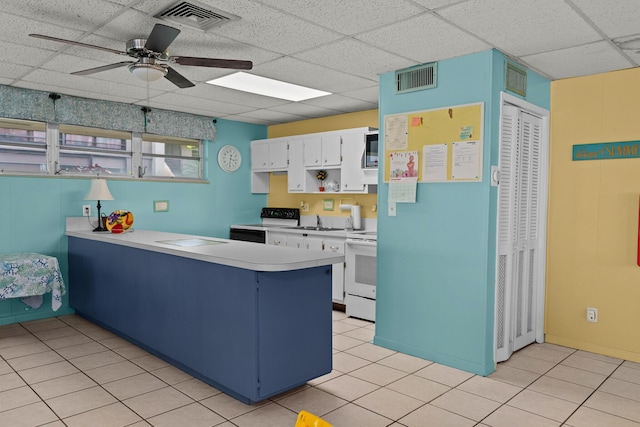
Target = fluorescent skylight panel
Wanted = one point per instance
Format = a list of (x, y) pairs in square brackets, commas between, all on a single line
[(268, 87)]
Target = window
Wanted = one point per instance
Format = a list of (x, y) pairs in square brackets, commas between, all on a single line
[(36, 148), (23, 147), (170, 157), (92, 150)]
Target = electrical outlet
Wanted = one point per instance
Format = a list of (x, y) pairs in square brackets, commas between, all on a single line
[(305, 207), (86, 210), (592, 314)]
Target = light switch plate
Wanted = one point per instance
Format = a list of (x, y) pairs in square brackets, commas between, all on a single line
[(161, 206), (392, 209)]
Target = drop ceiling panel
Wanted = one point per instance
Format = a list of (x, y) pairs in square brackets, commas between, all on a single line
[(270, 29), (252, 120), (25, 55), (368, 94), (579, 61), (355, 57), (350, 17), (273, 116), (316, 76), (207, 91), (69, 64), (17, 29), (341, 103), (424, 38), (304, 110), (179, 99), (522, 27), (434, 4), (616, 18), (131, 24), (13, 71), (80, 15)]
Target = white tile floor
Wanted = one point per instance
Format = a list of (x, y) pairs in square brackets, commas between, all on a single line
[(67, 371)]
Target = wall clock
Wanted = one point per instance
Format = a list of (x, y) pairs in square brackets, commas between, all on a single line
[(229, 158)]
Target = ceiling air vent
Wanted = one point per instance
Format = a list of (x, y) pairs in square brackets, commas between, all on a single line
[(417, 77), (195, 15)]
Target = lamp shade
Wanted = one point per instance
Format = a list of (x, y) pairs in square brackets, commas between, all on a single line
[(98, 190)]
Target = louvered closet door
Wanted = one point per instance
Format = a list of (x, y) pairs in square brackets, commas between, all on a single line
[(518, 239)]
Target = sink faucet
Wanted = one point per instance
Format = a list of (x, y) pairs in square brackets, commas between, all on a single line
[(318, 223)]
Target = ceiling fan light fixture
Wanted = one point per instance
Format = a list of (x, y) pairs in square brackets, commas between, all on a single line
[(148, 72)]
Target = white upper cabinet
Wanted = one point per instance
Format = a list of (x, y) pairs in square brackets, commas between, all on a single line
[(337, 152), (353, 178), (269, 154), (322, 151), (296, 171)]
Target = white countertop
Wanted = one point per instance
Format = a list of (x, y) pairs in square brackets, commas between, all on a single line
[(250, 256)]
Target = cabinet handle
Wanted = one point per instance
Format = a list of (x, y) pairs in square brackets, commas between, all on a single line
[(333, 248), (276, 242)]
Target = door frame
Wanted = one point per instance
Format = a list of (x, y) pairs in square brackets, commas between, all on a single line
[(544, 114)]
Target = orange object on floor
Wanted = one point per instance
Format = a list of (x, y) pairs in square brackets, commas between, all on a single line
[(306, 419)]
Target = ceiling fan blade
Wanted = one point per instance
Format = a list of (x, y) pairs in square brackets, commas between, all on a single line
[(103, 68), (213, 62), (161, 37), (177, 79), (91, 46)]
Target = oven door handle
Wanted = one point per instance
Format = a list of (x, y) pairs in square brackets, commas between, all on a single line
[(361, 243)]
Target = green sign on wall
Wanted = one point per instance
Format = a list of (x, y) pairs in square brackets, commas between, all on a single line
[(607, 150)]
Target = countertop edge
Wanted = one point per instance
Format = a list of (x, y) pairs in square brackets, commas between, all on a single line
[(283, 259)]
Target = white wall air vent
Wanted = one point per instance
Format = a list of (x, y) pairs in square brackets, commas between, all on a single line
[(418, 77), (195, 15)]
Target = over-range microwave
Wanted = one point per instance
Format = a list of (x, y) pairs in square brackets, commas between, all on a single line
[(370, 154)]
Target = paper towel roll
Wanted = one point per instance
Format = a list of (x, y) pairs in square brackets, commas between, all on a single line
[(355, 214)]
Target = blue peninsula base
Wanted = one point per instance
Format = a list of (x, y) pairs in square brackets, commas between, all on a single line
[(250, 334)]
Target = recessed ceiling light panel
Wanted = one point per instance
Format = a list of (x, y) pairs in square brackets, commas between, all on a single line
[(268, 87)]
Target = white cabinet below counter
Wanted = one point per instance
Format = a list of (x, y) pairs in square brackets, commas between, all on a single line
[(315, 242)]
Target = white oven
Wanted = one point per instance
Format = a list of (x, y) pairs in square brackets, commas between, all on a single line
[(360, 275)]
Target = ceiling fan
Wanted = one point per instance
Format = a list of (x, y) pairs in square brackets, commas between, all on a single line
[(152, 58)]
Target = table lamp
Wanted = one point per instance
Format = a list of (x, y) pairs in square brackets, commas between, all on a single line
[(99, 191)]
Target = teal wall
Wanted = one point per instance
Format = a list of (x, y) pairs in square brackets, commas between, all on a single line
[(436, 258), (33, 210)]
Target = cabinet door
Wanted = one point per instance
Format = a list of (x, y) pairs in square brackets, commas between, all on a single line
[(331, 153), (337, 275), (276, 239), (313, 243), (278, 155), (295, 170), (295, 241), (352, 174), (313, 152), (259, 155)]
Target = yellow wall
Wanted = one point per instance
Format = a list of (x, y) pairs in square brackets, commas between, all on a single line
[(278, 194), (593, 217)]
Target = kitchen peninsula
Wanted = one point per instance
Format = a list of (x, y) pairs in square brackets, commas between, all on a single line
[(251, 320)]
